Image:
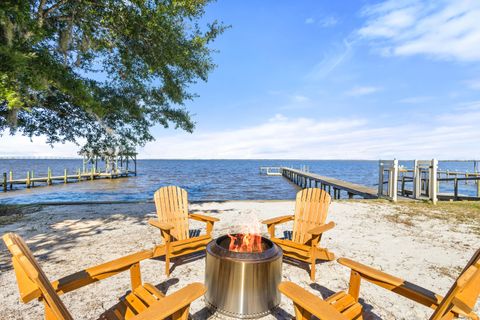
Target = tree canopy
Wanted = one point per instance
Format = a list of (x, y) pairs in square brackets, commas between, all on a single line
[(101, 71)]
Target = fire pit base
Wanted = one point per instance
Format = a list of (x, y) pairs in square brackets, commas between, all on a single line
[(242, 285), (238, 315)]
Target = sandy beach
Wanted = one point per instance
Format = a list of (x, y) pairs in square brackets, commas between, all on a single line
[(426, 249)]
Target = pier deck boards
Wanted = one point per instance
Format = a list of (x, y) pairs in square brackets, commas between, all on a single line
[(306, 179), (66, 178)]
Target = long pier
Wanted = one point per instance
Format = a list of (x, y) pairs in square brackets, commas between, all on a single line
[(305, 179), (49, 179)]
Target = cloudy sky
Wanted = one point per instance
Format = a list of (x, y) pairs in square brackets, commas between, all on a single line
[(330, 80)]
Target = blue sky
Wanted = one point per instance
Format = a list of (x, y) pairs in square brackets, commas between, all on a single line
[(330, 80)]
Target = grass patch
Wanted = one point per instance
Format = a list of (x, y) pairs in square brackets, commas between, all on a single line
[(459, 211), (400, 219), (447, 272), (453, 212)]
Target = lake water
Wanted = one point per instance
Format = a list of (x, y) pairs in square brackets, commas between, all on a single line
[(203, 179)]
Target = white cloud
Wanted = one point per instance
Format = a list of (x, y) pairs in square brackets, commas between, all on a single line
[(362, 90), (447, 29), (20, 146), (324, 22), (309, 21), (330, 62), (448, 135), (416, 100), (473, 84), (328, 21), (468, 106), (340, 138), (300, 98)]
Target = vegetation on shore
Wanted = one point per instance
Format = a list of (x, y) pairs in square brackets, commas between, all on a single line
[(455, 212), (10, 213)]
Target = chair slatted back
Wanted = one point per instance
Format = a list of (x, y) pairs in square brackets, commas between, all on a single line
[(172, 207), (311, 210), (464, 292), (32, 281)]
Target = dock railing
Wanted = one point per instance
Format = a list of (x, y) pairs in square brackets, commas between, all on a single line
[(425, 179)]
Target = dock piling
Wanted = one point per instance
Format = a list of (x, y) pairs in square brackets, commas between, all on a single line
[(27, 182), (49, 176), (305, 179)]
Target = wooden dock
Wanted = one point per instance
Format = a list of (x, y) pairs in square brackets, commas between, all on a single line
[(49, 179), (270, 171), (309, 180)]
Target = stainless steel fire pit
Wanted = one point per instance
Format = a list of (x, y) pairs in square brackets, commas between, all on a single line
[(240, 284)]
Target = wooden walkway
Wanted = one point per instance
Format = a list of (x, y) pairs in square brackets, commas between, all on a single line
[(30, 181), (310, 180), (270, 171)]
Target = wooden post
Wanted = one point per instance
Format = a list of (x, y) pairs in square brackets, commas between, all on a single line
[(478, 187), (79, 175), (4, 182), (11, 179), (65, 179), (380, 179), (393, 181), (455, 188), (350, 195), (49, 178), (27, 182), (91, 174), (32, 175), (135, 162), (402, 188), (433, 181)]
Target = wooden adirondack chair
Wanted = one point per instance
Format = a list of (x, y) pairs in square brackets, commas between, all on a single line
[(311, 209), (172, 210), (459, 301), (143, 302)]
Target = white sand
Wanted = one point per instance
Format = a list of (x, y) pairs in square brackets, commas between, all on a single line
[(66, 239)]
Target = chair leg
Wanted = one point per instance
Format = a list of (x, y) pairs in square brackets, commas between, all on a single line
[(312, 268), (301, 313), (167, 258), (181, 314), (167, 264)]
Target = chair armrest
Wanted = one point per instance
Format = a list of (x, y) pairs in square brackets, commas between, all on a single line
[(309, 302), (321, 229), (165, 307), (404, 288), (201, 217), (97, 273), (278, 220), (371, 273), (160, 225)]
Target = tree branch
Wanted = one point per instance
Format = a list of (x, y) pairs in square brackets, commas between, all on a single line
[(40, 13), (55, 6)]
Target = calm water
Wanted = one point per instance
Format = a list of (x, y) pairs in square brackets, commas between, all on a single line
[(203, 179)]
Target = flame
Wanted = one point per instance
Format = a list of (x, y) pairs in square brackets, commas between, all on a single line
[(248, 239)]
